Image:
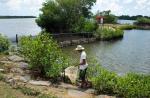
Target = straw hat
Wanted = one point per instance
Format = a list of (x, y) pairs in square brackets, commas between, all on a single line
[(79, 47)]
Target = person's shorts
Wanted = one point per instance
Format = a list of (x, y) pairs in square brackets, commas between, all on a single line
[(82, 74)]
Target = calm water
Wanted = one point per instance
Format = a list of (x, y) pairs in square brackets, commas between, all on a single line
[(11, 27), (131, 54), (126, 21)]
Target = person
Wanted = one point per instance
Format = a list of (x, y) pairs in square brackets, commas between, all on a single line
[(82, 65)]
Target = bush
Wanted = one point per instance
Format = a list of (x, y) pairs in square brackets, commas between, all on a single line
[(133, 86), (143, 21), (4, 43), (43, 54), (103, 81), (107, 33), (129, 86), (90, 26), (110, 19)]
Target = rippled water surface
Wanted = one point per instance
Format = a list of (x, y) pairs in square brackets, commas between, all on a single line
[(130, 54)]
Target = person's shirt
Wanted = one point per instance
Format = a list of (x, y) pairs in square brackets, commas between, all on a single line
[(82, 57)]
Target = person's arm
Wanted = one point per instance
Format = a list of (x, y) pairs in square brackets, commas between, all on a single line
[(83, 62)]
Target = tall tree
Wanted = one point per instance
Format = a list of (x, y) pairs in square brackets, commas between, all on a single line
[(63, 15)]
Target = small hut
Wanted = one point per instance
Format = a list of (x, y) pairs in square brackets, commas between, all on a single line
[(100, 19)]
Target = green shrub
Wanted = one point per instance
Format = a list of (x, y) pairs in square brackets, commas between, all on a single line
[(46, 96), (107, 33), (133, 86), (129, 86), (4, 43), (43, 54), (110, 19), (143, 20), (90, 26), (103, 81)]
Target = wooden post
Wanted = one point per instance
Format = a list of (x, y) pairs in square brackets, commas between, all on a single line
[(17, 39)]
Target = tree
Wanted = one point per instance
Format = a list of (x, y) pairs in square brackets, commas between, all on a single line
[(63, 15), (108, 17)]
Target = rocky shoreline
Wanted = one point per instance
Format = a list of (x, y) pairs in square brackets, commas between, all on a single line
[(76, 42), (16, 73)]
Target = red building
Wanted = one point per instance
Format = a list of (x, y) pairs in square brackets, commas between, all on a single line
[(100, 19)]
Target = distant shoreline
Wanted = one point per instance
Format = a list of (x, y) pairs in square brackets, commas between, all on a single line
[(15, 17)]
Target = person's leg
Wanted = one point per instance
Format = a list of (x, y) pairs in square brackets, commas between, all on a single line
[(81, 77), (84, 78)]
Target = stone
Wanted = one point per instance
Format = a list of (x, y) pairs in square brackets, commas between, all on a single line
[(23, 65), (75, 42), (15, 58), (8, 77), (104, 96), (65, 43), (67, 86), (84, 40), (2, 70), (17, 70), (78, 94), (92, 39), (4, 59), (6, 62), (90, 91), (11, 81), (22, 79), (72, 73), (40, 83)]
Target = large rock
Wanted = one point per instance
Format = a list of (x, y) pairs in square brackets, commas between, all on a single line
[(78, 94), (41, 83), (72, 73), (23, 65), (15, 58)]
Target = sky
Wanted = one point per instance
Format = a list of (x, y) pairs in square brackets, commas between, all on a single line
[(118, 7)]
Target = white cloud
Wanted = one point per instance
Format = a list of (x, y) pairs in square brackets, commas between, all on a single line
[(118, 7), (14, 4), (31, 7), (21, 6), (112, 5), (127, 1)]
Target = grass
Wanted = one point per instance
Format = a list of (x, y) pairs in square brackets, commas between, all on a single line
[(122, 26), (108, 33)]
